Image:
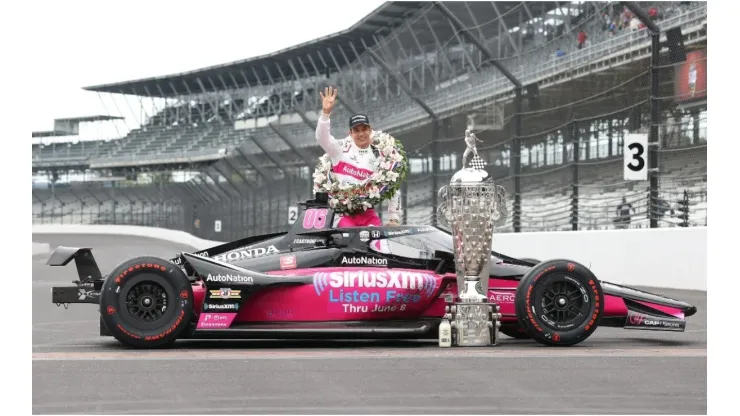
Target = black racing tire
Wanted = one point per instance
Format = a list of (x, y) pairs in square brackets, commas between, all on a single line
[(559, 302), (146, 302), (515, 332)]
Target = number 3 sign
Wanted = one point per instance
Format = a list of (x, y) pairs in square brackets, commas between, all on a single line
[(635, 157)]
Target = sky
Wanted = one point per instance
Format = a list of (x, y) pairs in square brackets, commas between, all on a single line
[(94, 42)]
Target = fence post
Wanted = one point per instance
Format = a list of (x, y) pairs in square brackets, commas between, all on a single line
[(653, 139), (576, 137), (516, 159)]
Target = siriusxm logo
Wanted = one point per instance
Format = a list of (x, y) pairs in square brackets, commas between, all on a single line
[(221, 306), (388, 279)]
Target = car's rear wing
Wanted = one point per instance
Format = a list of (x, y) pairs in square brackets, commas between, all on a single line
[(87, 289), (87, 267)]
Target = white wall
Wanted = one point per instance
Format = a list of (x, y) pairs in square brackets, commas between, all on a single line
[(671, 257)]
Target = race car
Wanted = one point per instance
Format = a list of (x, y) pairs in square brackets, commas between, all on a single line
[(317, 281)]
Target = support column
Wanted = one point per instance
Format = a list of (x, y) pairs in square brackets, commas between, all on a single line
[(653, 139)]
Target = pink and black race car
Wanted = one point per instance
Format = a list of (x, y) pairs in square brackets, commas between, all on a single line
[(315, 281)]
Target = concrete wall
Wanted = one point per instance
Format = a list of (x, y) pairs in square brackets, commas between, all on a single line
[(670, 257)]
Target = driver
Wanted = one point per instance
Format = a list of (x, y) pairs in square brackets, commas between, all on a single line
[(353, 160)]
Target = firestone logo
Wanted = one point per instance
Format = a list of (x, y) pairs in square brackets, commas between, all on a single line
[(426, 283), (365, 261)]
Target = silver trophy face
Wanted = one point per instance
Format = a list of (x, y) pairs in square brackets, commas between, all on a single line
[(471, 208)]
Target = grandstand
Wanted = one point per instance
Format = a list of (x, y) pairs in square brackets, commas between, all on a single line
[(235, 142)]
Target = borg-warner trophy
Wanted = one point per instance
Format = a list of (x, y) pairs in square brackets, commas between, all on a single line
[(471, 205)]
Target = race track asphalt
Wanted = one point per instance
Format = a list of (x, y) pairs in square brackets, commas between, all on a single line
[(613, 372)]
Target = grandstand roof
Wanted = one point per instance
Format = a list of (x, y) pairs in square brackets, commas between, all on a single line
[(263, 70), (68, 126), (88, 119), (51, 133)]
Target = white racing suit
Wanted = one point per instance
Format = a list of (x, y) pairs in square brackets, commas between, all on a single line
[(353, 165)]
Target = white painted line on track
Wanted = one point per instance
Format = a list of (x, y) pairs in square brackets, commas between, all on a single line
[(201, 355)]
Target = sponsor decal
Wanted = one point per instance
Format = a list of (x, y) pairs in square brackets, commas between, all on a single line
[(288, 262), (230, 278), (427, 229), (220, 306), (124, 274), (398, 232), (375, 234), (374, 291), (501, 297), (226, 293), (597, 301), (308, 241), (364, 236), (388, 279), (246, 253), (353, 171), (638, 320), (364, 261), (122, 329), (215, 320)]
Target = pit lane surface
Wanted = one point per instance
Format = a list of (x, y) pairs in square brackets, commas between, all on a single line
[(613, 372)]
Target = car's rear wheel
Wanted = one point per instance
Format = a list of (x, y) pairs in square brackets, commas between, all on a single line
[(146, 302), (559, 302)]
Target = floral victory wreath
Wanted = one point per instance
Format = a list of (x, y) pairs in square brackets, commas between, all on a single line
[(390, 171)]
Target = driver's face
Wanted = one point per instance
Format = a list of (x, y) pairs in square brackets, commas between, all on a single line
[(361, 135)]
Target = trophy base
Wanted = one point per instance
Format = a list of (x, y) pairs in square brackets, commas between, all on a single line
[(470, 324)]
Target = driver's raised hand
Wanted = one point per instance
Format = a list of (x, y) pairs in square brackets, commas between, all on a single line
[(328, 99)]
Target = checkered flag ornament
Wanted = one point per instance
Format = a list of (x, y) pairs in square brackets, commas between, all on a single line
[(477, 163)]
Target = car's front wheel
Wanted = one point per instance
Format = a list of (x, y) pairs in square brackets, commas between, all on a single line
[(559, 302)]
